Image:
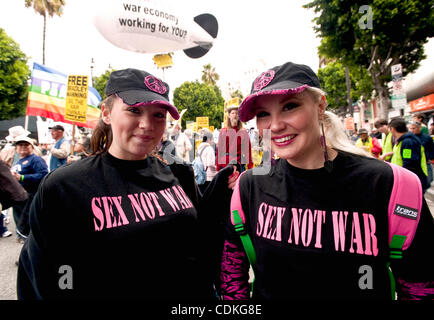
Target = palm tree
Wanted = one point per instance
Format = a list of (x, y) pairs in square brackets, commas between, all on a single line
[(44, 7), (209, 76)]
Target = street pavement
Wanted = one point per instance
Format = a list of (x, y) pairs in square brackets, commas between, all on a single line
[(429, 197), (10, 251)]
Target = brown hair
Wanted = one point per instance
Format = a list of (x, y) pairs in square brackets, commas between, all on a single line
[(102, 135), (228, 121), (380, 122)]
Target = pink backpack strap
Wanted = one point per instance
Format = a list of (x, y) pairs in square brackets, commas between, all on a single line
[(236, 201), (404, 207)]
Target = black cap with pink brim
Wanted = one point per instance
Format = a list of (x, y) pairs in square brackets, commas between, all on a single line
[(136, 87), (289, 78)]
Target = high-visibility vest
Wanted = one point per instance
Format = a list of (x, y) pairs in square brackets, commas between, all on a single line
[(387, 146), (368, 143), (397, 157)]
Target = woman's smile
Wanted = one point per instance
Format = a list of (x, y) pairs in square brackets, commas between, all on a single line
[(284, 140), (143, 137)]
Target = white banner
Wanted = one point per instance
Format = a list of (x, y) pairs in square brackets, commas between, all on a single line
[(44, 134)]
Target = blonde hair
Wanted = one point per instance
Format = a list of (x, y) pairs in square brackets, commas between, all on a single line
[(334, 130)]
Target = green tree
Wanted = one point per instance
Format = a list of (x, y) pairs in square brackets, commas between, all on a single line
[(237, 94), (332, 79), (44, 8), (209, 75), (200, 100), (14, 74), (100, 82), (375, 36)]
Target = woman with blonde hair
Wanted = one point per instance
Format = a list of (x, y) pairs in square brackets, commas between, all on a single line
[(318, 219)]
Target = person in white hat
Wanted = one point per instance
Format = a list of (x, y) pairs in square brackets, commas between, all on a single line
[(8, 154), (28, 171)]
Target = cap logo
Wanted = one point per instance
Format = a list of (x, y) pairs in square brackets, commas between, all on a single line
[(263, 80), (155, 84)]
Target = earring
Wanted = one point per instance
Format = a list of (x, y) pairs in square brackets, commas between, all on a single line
[(328, 165)]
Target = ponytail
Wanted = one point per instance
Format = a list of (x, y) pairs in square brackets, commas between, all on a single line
[(336, 137), (334, 130), (102, 135)]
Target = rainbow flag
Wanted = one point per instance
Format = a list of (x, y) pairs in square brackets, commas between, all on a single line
[(47, 97)]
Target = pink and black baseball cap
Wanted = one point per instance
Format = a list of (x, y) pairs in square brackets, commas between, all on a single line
[(285, 79), (137, 87)]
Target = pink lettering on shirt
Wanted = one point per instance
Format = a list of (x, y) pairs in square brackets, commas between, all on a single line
[(167, 194), (306, 228), (109, 211), (98, 219), (339, 228)]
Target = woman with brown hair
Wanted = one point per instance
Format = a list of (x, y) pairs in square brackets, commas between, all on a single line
[(234, 144), (123, 223)]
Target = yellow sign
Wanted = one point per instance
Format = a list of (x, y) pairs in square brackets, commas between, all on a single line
[(191, 125), (233, 102), (76, 98), (202, 122), (163, 60)]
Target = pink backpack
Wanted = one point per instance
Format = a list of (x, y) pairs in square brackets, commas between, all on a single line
[(405, 206)]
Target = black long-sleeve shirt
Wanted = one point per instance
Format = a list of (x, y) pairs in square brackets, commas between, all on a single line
[(116, 229)]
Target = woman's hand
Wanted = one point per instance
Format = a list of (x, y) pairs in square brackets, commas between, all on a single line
[(233, 178)]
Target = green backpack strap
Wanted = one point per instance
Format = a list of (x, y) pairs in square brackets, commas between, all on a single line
[(395, 246), (245, 238), (247, 242), (405, 206)]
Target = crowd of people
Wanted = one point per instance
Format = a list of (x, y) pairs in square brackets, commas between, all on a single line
[(28, 163), (408, 144), (130, 191)]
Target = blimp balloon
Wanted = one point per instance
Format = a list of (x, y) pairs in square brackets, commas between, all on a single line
[(154, 27)]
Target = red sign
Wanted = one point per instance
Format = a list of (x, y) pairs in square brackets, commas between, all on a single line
[(424, 103), (349, 123)]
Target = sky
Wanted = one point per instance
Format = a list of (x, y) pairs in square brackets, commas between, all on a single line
[(253, 36)]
